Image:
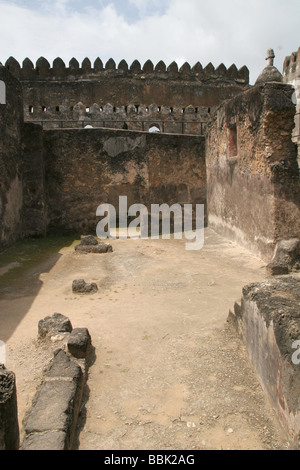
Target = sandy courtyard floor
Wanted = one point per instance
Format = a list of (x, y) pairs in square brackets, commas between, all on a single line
[(169, 372)]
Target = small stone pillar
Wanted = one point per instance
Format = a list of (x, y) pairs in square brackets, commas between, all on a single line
[(9, 426), (269, 73)]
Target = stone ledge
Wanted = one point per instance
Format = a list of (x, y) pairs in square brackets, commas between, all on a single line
[(52, 440), (51, 422), (268, 322)]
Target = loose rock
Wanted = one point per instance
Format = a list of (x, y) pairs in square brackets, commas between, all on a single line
[(53, 326), (88, 241), (99, 248), (81, 287), (286, 257), (89, 244)]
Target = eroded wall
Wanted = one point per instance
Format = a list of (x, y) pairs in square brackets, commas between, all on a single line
[(89, 167), (11, 186), (268, 322), (252, 171)]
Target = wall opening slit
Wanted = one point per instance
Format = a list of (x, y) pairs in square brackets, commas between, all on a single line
[(232, 141)]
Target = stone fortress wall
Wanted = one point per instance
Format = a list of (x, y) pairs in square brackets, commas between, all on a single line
[(174, 100), (11, 159), (192, 101), (244, 170)]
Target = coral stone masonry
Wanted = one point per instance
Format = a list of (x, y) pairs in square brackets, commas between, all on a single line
[(73, 138)]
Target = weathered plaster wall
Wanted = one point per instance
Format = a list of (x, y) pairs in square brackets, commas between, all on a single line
[(268, 321), (33, 175), (11, 186), (252, 171), (89, 167)]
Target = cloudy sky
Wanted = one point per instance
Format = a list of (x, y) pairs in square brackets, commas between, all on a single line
[(219, 31)]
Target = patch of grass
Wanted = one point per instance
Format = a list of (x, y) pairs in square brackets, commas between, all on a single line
[(26, 254)]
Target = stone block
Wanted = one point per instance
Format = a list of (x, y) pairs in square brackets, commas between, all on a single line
[(53, 407), (62, 366), (79, 343), (51, 326), (56, 406), (89, 240), (90, 244), (286, 257), (99, 248), (79, 286)]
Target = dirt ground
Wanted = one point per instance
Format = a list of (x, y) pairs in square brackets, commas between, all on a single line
[(169, 372)]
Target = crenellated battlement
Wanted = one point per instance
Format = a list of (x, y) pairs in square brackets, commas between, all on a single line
[(53, 92), (291, 75), (42, 70), (291, 67)]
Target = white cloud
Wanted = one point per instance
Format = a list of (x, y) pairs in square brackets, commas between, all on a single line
[(194, 30)]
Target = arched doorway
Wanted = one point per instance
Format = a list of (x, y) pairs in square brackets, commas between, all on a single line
[(154, 129)]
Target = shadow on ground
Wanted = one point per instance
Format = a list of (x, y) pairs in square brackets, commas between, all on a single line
[(20, 268)]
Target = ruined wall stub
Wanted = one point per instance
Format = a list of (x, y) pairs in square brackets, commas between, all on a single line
[(268, 322)]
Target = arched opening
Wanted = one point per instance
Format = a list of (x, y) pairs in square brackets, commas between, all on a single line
[(154, 129), (2, 92)]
